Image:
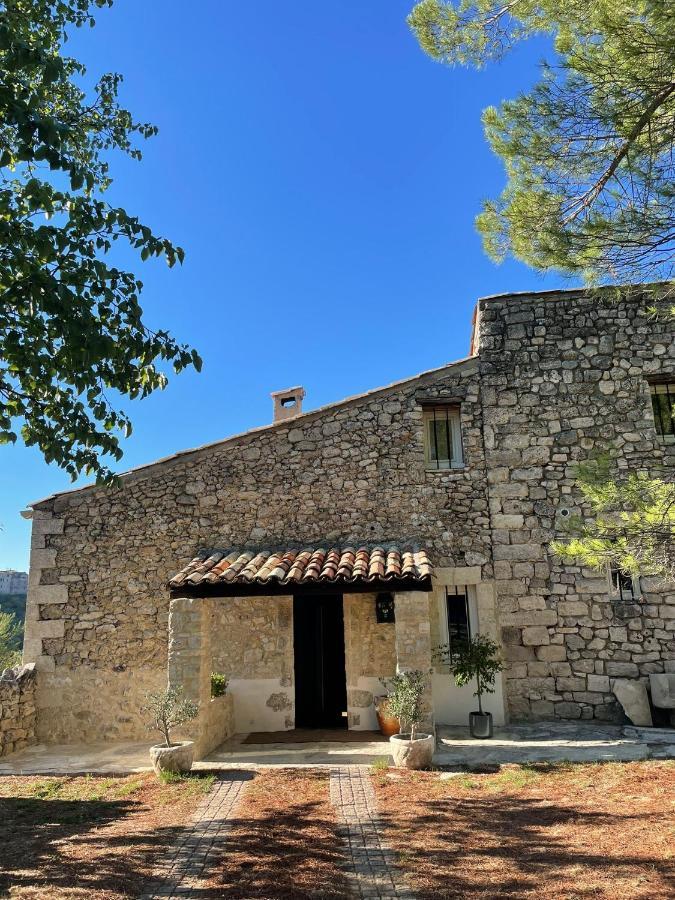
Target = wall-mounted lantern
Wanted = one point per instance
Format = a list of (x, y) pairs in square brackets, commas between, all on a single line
[(384, 608)]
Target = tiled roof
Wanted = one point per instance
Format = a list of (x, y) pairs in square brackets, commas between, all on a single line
[(304, 567)]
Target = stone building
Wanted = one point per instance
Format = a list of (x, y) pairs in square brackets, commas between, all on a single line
[(309, 558)]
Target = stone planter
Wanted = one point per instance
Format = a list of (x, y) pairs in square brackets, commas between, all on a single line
[(387, 723), (480, 724), (176, 758), (415, 754)]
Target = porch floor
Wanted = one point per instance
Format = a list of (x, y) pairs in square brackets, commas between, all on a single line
[(235, 753), (533, 742)]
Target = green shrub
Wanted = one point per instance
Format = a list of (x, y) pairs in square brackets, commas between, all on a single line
[(218, 684)]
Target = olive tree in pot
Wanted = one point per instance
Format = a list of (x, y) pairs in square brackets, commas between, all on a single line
[(170, 709), (411, 750), (475, 659)]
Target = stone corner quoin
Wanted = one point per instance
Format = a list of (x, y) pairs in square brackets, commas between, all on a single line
[(556, 376)]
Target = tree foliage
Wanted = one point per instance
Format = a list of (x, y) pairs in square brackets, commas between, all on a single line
[(405, 691), (632, 523), (589, 149), (72, 334), (476, 659), (10, 638), (168, 709)]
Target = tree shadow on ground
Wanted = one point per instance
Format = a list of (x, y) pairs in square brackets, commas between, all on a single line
[(88, 847), (506, 846)]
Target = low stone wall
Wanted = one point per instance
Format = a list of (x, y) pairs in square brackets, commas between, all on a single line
[(17, 709), (215, 724)]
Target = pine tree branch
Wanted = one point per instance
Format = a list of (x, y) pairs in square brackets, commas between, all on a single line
[(584, 202)]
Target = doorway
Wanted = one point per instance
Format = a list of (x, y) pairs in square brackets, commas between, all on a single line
[(319, 650)]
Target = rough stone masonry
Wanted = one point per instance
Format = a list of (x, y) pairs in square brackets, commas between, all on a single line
[(553, 377)]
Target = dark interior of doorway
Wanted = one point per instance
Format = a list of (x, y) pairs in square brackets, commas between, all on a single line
[(319, 647)]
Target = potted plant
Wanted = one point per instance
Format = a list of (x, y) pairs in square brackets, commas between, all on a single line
[(411, 750), (476, 658), (169, 709)]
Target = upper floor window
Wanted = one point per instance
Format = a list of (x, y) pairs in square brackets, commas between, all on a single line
[(442, 437), (663, 404)]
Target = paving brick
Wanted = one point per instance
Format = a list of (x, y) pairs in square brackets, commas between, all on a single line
[(370, 864), (185, 866)]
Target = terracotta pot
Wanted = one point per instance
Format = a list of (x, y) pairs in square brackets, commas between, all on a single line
[(387, 723), (415, 754), (176, 758)]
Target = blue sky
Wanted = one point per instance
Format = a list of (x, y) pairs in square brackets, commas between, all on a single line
[(323, 176)]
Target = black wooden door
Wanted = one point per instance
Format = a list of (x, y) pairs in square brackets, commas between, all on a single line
[(319, 646)]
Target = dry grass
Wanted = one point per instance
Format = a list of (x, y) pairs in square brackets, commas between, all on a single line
[(568, 831), (284, 842), (88, 837)]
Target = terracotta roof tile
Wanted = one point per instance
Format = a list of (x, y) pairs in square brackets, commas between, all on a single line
[(304, 566)]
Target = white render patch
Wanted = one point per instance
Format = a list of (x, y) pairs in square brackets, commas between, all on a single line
[(262, 704)]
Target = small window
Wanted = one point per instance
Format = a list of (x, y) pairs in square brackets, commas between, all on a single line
[(458, 619), (663, 404), (622, 585), (442, 437)]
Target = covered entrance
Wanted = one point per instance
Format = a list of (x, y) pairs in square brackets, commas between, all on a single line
[(303, 637), (319, 661)]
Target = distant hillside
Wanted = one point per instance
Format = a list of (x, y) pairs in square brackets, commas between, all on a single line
[(14, 603)]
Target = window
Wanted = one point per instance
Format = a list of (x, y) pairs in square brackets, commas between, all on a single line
[(663, 404), (442, 437), (457, 618), (622, 585)]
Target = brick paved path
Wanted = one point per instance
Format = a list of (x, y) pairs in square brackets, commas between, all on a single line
[(185, 866), (371, 866)]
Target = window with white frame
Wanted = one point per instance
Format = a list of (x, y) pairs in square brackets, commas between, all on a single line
[(623, 586), (442, 437), (663, 405)]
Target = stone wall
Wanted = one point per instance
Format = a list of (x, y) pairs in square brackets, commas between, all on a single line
[(191, 636), (558, 376), (101, 557), (370, 656), (252, 645), (17, 709), (564, 375), (413, 644), (253, 637)]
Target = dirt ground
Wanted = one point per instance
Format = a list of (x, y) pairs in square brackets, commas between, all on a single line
[(88, 837), (566, 831), (284, 842)]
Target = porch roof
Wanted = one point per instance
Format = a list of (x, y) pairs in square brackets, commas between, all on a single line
[(277, 570)]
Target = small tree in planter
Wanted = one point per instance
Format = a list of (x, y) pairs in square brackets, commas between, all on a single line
[(404, 700), (170, 709), (475, 659)]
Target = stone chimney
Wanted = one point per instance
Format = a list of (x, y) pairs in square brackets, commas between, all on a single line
[(288, 403)]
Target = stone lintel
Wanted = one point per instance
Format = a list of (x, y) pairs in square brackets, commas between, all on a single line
[(457, 575)]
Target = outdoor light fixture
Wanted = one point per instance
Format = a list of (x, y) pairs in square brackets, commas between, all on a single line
[(384, 608)]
